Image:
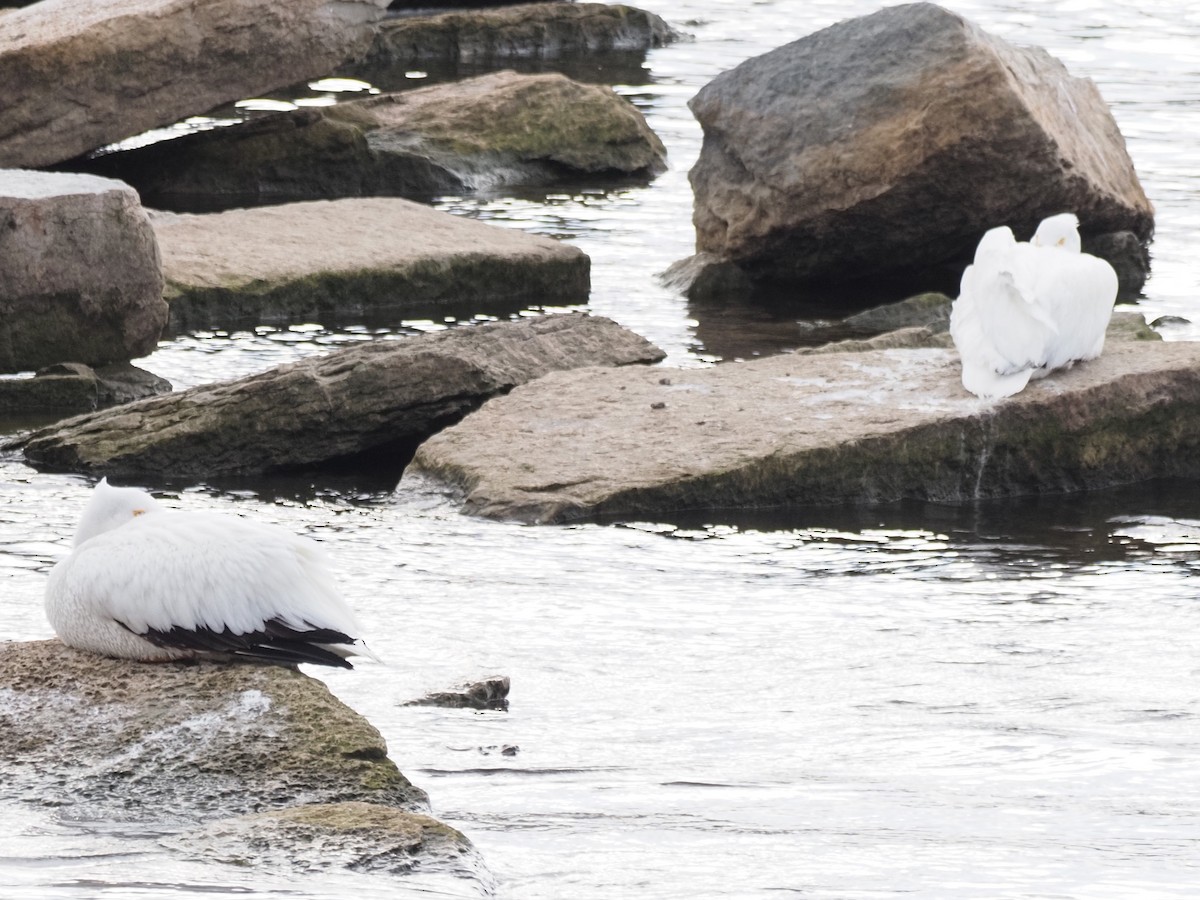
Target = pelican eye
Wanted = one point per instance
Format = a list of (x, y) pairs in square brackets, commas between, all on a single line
[(139, 512), (1060, 242)]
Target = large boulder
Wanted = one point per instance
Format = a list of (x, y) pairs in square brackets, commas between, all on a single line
[(381, 396), (79, 76), (340, 262), (526, 31), (79, 272), (838, 427), (497, 129), (891, 142)]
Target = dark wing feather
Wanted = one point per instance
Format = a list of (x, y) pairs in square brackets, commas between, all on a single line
[(277, 643)]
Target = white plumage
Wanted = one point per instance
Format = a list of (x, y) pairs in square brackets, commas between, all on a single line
[(149, 583), (1025, 310)]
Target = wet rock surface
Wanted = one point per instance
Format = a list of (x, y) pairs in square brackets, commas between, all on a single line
[(498, 129), (80, 272), (379, 396), (818, 155), (819, 428), (176, 743), (79, 76), (341, 261)]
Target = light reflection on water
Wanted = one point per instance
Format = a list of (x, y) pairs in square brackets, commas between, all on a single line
[(982, 701)]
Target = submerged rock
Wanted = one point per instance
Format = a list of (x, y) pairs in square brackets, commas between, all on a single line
[(365, 837), (488, 693), (79, 76), (498, 129), (80, 278), (177, 743), (891, 142), (74, 387), (340, 261), (380, 396), (816, 429)]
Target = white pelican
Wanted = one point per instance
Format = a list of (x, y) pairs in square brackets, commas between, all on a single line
[(1024, 310), (148, 583)]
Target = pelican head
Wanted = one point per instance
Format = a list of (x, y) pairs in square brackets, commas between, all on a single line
[(1058, 231), (111, 507)]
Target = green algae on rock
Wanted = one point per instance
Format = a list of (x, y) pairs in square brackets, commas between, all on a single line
[(494, 130), (180, 743)]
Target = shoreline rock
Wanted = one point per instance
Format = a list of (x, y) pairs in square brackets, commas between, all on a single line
[(338, 262), (814, 429), (379, 397)]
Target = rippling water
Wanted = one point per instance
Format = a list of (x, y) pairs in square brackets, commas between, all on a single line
[(941, 701)]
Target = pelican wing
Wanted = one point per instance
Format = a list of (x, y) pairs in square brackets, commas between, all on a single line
[(276, 642)]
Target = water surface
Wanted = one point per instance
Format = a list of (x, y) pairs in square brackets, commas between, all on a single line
[(991, 700)]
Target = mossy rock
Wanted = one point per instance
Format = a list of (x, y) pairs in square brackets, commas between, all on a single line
[(180, 743)]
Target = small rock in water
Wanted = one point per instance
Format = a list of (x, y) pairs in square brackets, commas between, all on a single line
[(1169, 321), (487, 693), (502, 749)]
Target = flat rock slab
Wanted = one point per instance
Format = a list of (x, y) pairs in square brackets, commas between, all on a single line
[(77, 76), (378, 396), (346, 260), (112, 740), (816, 429)]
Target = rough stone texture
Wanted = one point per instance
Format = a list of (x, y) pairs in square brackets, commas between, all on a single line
[(74, 387), (815, 429), (527, 31), (176, 743), (79, 76), (891, 142), (372, 396), (502, 128), (365, 837), (340, 261), (79, 272)]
